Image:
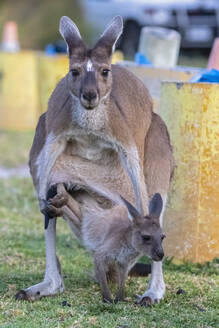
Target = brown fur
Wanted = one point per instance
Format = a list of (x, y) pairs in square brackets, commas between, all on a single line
[(102, 148)]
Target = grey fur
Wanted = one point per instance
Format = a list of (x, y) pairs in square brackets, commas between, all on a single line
[(116, 242), (110, 145)]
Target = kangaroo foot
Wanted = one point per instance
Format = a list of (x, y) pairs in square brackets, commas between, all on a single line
[(45, 288), (152, 295)]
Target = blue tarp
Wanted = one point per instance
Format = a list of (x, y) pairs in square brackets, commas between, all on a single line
[(209, 76)]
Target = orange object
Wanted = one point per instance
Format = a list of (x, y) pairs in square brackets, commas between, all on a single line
[(10, 41), (213, 61)]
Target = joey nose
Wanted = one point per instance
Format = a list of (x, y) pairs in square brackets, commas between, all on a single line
[(89, 95), (160, 254)]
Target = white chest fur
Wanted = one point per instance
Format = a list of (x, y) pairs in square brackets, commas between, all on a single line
[(90, 147)]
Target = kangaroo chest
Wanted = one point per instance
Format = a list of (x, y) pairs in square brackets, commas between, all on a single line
[(127, 255), (91, 161), (89, 147)]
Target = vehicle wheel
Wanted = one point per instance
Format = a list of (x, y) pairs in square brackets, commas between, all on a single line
[(130, 39)]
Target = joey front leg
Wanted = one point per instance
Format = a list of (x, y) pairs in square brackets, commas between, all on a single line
[(122, 274), (100, 273)]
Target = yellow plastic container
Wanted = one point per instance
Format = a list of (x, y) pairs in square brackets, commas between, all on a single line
[(152, 77), (51, 69), (191, 112), (27, 80), (18, 91)]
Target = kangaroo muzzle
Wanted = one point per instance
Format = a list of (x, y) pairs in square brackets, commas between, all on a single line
[(89, 92), (158, 254)]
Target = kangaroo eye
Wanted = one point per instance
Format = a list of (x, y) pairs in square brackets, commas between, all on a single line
[(163, 236), (146, 238), (105, 72), (75, 72)]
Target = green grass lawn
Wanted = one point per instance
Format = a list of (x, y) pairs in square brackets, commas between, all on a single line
[(22, 261)]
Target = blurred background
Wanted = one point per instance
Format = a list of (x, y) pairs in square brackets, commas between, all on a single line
[(196, 20), (32, 58), (38, 20)]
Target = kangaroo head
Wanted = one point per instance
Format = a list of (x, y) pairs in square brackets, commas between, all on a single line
[(90, 77), (147, 234)]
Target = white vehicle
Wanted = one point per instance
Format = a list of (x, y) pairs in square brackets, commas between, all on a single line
[(196, 20)]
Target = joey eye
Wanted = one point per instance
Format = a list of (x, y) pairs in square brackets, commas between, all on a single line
[(163, 236), (105, 72), (146, 238), (75, 72)]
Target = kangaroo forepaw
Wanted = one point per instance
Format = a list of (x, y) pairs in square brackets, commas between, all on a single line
[(59, 200), (53, 206), (57, 197), (50, 210)]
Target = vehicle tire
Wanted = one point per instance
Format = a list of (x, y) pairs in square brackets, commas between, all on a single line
[(130, 39)]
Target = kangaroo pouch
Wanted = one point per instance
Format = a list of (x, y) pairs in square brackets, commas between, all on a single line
[(105, 177)]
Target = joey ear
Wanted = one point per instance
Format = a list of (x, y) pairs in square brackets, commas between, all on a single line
[(133, 214), (111, 35), (70, 33), (156, 206)]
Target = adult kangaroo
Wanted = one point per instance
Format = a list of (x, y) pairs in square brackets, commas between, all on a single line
[(100, 138)]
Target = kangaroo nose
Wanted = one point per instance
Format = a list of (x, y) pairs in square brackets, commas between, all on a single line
[(159, 254), (90, 95)]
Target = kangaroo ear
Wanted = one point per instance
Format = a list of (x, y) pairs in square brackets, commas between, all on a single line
[(133, 214), (70, 34), (111, 35), (156, 206)]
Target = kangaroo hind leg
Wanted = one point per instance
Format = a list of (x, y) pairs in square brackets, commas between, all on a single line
[(52, 282)]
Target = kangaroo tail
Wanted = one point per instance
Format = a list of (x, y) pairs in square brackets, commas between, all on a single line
[(140, 270)]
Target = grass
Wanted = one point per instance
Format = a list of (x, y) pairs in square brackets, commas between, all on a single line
[(14, 148), (22, 262)]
